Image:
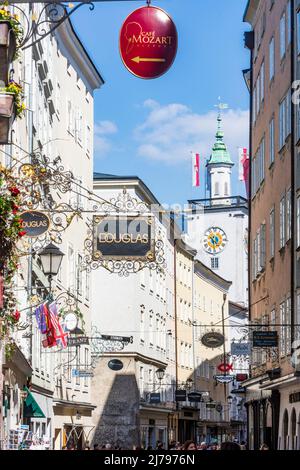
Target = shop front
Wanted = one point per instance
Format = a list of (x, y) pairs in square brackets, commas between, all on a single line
[(154, 426), (263, 407), (72, 423), (187, 424), (16, 374)]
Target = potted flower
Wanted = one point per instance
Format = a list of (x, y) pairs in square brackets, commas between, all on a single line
[(11, 34), (11, 105)]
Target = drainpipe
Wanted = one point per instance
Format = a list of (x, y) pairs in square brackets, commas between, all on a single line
[(176, 333), (293, 185)]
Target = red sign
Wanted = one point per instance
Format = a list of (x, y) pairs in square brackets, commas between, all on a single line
[(241, 377), (148, 42), (224, 367)]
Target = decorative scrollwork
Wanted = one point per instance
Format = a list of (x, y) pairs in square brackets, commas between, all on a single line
[(49, 18), (124, 202), (100, 344)]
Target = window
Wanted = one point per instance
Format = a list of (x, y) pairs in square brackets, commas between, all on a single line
[(214, 263), (289, 23), (217, 190), (141, 381), (298, 221), (288, 328), (282, 330), (288, 215), (282, 223), (79, 275), (70, 114), (157, 339), (254, 105), (57, 98), (271, 142), (151, 329), (258, 167), (86, 364), (297, 318), (150, 379), (272, 59), (88, 140), (226, 192), (272, 233), (79, 121), (282, 36), (262, 247), (281, 124), (71, 269), (142, 324), (298, 32), (262, 82), (284, 119), (273, 320)]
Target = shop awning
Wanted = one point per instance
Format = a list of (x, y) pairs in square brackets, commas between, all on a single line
[(31, 408)]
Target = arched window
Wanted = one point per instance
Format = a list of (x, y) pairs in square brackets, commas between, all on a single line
[(293, 430), (217, 189), (285, 430), (226, 192)]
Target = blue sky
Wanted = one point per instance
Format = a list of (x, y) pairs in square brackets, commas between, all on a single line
[(148, 127)]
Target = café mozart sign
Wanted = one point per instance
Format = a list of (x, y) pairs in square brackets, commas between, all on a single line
[(148, 42), (122, 236), (34, 223)]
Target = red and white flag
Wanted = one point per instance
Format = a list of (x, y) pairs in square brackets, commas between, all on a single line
[(243, 156), (60, 335), (196, 169), (244, 167)]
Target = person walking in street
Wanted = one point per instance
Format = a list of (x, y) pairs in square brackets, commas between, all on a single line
[(264, 447), (189, 445)]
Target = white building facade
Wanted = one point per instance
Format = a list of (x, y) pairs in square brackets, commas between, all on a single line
[(133, 406), (59, 80)]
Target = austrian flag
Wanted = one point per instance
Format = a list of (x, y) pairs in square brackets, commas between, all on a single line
[(196, 169)]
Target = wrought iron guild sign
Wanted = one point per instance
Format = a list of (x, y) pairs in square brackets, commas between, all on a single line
[(34, 223), (122, 237)]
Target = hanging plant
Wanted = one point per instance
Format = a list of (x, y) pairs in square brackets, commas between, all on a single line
[(16, 90), (10, 233), (14, 21)]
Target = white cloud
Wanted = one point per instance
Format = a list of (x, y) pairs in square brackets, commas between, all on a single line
[(170, 132), (103, 144)]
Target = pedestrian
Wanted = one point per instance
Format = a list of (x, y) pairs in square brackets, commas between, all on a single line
[(243, 445), (159, 445), (228, 445), (172, 445), (264, 447), (203, 446), (189, 445)]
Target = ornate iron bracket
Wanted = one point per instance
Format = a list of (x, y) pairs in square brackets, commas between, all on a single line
[(123, 204), (51, 16)]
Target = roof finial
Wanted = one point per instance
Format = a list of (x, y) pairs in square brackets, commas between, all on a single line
[(221, 106)]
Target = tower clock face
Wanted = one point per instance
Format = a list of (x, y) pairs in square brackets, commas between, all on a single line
[(215, 240)]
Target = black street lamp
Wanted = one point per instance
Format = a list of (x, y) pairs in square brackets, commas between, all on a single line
[(51, 258), (160, 373)]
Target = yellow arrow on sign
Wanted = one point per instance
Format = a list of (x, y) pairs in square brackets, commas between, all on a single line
[(139, 59)]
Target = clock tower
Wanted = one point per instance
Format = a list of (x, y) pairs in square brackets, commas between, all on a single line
[(217, 227), (219, 169)]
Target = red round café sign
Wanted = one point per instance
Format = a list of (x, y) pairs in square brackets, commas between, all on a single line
[(148, 42)]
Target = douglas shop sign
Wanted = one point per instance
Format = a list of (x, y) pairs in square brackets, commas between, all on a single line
[(148, 42), (122, 237), (34, 223)]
